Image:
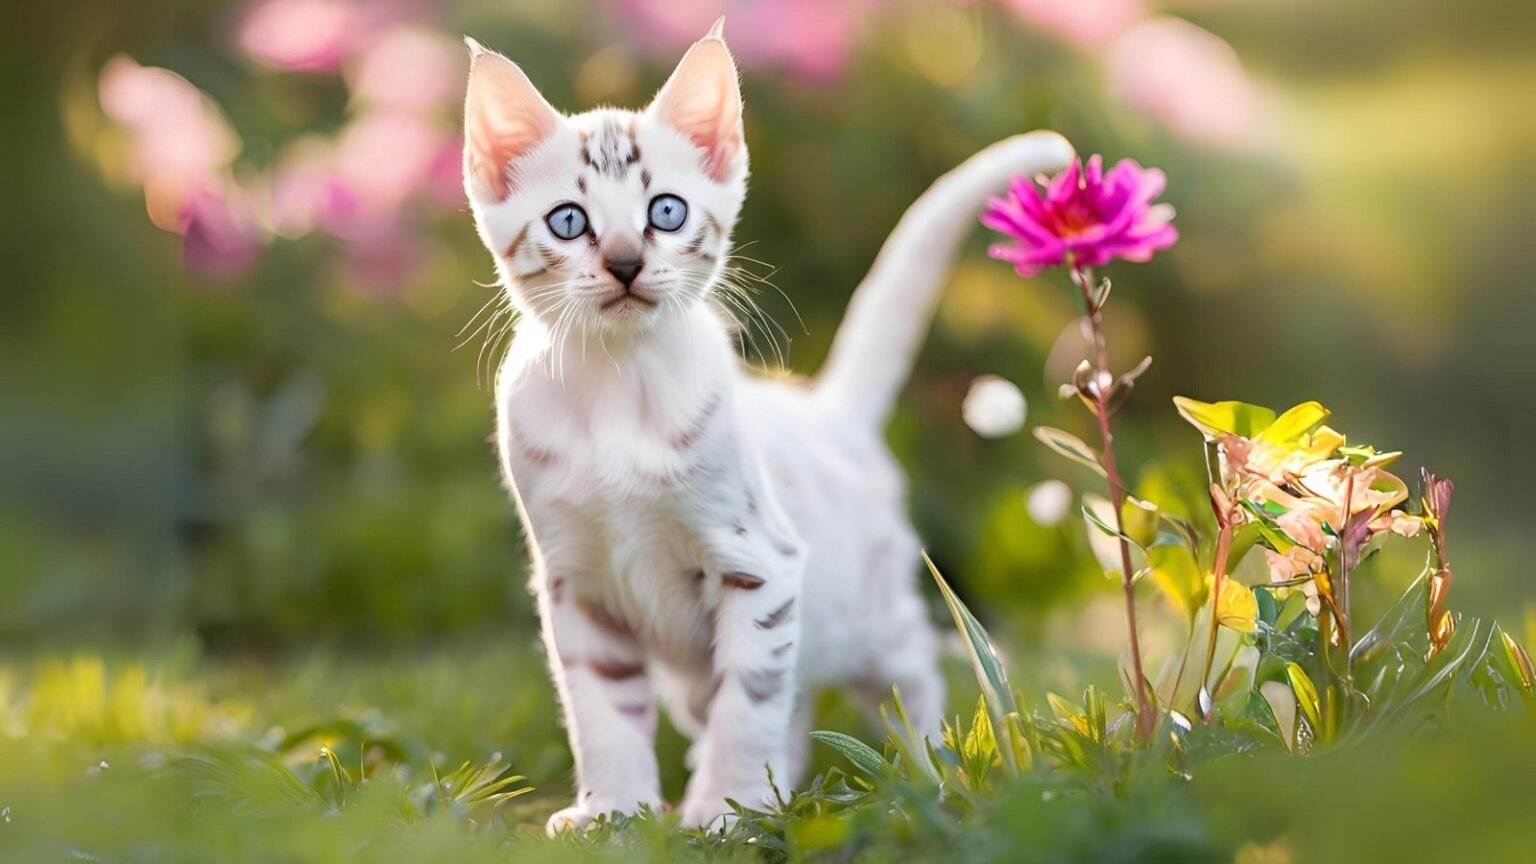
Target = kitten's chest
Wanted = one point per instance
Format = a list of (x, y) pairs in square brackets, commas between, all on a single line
[(607, 446)]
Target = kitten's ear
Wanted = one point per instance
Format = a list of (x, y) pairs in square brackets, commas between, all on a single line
[(504, 118), (702, 100)]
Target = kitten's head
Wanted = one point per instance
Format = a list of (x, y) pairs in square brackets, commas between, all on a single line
[(610, 219)]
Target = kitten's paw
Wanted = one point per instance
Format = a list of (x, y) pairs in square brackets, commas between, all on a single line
[(701, 813), (573, 818), (710, 810)]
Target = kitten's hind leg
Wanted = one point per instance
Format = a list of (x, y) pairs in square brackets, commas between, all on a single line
[(797, 748), (906, 657)]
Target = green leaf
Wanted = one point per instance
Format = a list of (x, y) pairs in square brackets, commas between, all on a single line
[(1294, 423), (1225, 418), (1272, 536), (1520, 660), (1175, 571), (979, 749), (1282, 705), (1291, 610), (1306, 694), (863, 757), (1070, 446), (1095, 521), (991, 676), (1243, 540), (1017, 734)]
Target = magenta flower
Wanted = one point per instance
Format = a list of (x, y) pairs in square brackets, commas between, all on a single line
[(1084, 217)]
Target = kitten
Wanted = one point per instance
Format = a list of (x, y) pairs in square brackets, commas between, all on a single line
[(718, 542)]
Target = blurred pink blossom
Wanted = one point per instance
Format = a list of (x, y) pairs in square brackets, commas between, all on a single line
[(220, 235), (408, 67), (304, 35), (1085, 23), (1085, 217), (304, 191), (317, 35), (445, 180), (385, 156), (383, 256), (179, 140), (1186, 78), (810, 37)]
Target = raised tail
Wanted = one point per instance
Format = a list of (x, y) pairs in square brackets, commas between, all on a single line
[(889, 314)]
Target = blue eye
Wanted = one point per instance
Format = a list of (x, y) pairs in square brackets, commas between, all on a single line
[(668, 212), (567, 221)]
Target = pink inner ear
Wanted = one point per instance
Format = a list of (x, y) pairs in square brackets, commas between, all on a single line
[(504, 118), (702, 100)]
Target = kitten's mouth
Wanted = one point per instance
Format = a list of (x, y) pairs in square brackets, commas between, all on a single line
[(626, 299)]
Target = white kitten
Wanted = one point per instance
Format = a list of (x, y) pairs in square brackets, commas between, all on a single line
[(720, 541)]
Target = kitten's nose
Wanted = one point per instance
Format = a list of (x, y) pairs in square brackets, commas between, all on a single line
[(625, 269)]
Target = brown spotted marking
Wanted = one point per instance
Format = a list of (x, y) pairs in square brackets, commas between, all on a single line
[(581, 184), (690, 436), (744, 581), (639, 710), (533, 453), (695, 245), (557, 589), (539, 456), (602, 618), (517, 243), (550, 257), (762, 684), (699, 702), (617, 670), (611, 150), (777, 616), (645, 179)]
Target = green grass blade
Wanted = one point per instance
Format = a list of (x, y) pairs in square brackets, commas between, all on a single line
[(991, 676), (862, 756)]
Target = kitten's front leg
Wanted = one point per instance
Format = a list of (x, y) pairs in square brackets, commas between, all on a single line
[(757, 634), (610, 713)]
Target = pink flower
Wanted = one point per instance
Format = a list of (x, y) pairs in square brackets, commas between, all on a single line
[(220, 236), (384, 157), (408, 67), (1080, 22), (302, 35), (1189, 80), (180, 141), (1085, 216), (811, 38), (316, 35)]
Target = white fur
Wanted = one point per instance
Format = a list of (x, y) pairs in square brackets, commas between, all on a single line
[(722, 541)]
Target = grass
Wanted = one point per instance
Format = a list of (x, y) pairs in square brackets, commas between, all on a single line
[(184, 758)]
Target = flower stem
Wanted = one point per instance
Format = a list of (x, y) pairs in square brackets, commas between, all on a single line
[(1224, 518), (1146, 720)]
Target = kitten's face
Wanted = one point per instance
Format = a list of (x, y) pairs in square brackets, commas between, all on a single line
[(606, 221)]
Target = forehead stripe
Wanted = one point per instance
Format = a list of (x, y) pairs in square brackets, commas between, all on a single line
[(611, 150)]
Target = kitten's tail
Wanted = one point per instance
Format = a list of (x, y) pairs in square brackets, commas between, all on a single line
[(889, 314)]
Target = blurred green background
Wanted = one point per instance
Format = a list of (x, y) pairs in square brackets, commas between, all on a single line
[(243, 423), (290, 450)]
